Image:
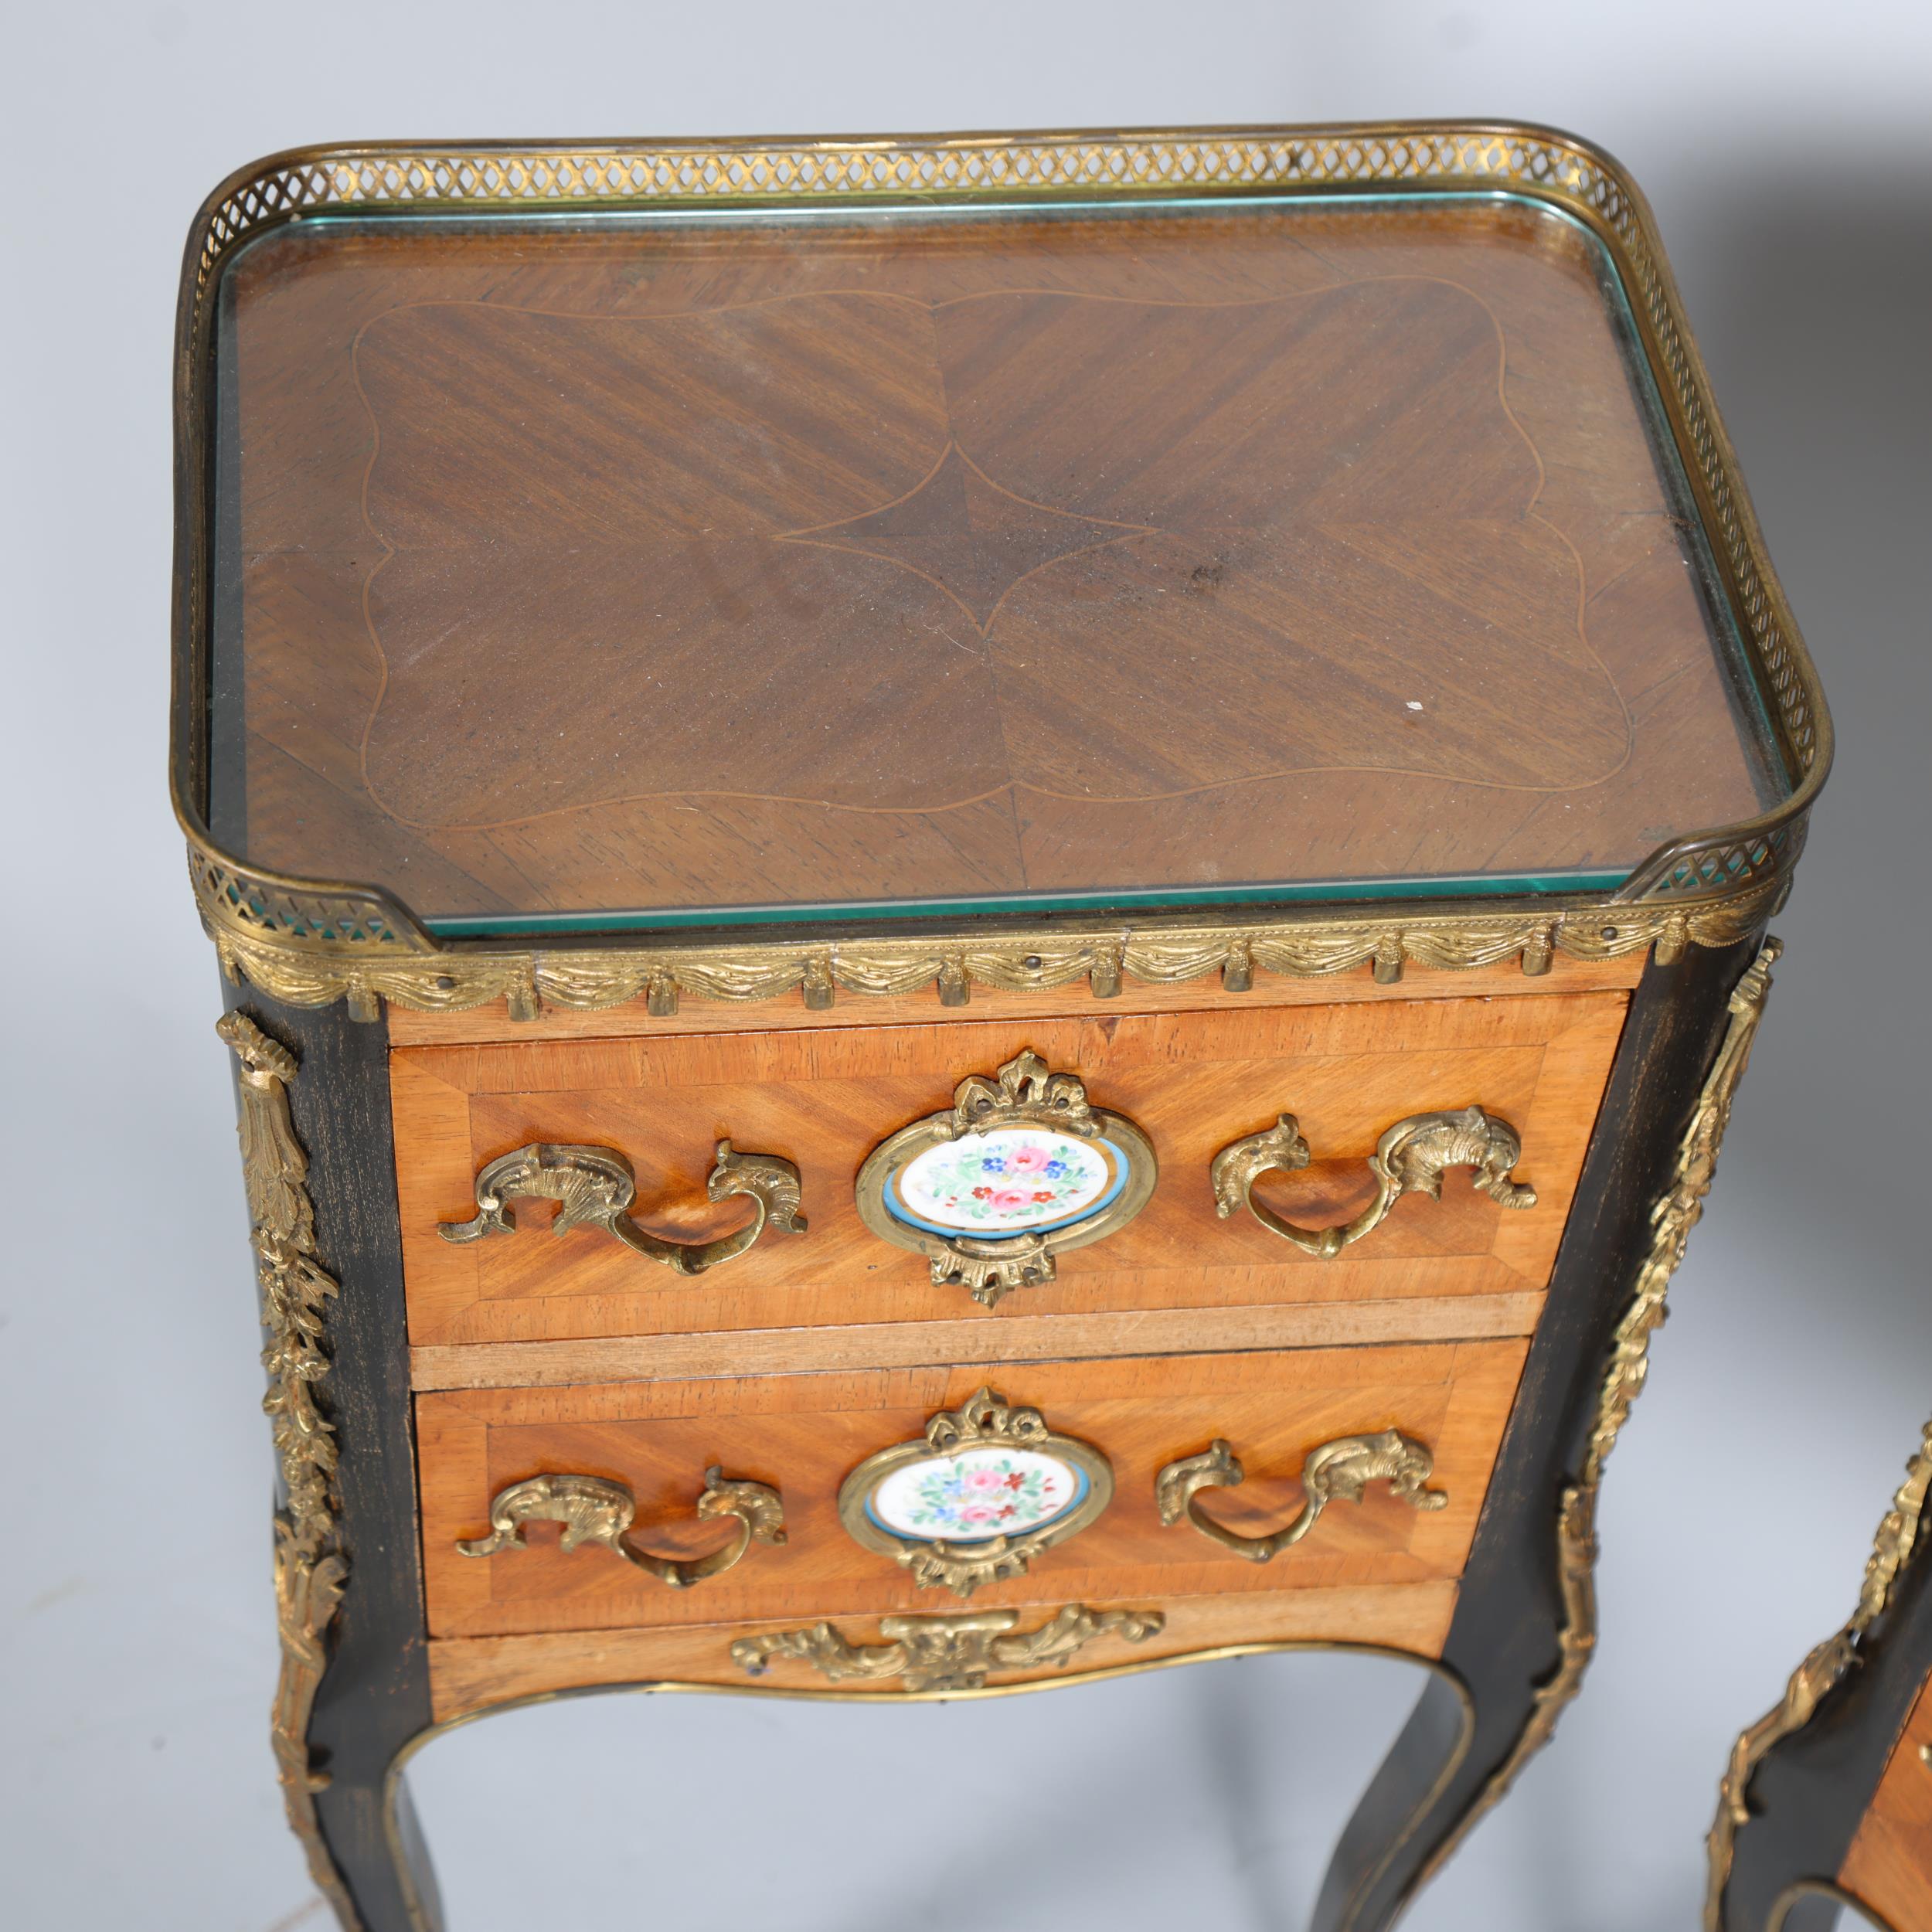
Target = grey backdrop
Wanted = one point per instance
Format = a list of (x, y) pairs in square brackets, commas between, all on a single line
[(1788, 151)]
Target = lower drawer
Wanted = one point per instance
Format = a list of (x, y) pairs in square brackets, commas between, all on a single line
[(1401, 1439), (470, 1674)]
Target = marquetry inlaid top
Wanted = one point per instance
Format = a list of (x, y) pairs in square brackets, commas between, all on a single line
[(985, 557)]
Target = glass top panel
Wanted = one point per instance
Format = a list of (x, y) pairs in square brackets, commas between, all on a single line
[(654, 569)]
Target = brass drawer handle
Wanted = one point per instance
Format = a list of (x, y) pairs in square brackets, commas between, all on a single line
[(1338, 1470), (947, 1653), (594, 1186), (1411, 1158), (593, 1511)]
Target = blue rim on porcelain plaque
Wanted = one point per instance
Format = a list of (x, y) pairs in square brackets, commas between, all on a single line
[(1008, 1181)]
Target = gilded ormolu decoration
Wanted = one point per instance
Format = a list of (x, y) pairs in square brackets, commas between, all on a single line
[(947, 1653), (305, 950), (311, 1570), (594, 1186), (1019, 1167), (977, 1497), (1338, 1470), (593, 1510), (1675, 1213), (1410, 1157), (1904, 1526)]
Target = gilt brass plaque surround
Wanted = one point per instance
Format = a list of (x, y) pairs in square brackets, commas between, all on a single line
[(990, 1487), (1053, 1172)]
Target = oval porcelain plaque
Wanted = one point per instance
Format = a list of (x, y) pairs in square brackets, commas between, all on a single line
[(1008, 1181), (976, 1493)]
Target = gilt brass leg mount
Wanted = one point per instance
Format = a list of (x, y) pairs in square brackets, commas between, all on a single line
[(1411, 1158), (593, 1511), (594, 1186), (1342, 1469)]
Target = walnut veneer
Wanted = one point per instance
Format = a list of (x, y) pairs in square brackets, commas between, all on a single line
[(1122, 549)]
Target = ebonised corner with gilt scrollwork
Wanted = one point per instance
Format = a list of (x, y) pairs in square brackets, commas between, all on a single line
[(1827, 1799)]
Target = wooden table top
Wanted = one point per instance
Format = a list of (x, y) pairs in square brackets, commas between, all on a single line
[(985, 557)]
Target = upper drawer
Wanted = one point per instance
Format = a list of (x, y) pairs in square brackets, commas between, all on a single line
[(1192, 1082)]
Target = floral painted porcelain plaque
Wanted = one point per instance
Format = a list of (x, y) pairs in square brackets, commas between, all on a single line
[(1012, 1180), (983, 1493), (976, 1493)]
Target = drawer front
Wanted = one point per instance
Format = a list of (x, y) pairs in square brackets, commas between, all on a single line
[(804, 1436), (470, 1673), (1192, 1082)]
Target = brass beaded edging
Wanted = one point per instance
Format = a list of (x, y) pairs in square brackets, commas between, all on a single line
[(311, 1570), (310, 943), (1826, 1666), (1677, 1211)]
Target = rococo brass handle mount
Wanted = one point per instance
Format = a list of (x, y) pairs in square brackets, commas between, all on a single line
[(594, 1511), (594, 1186), (1340, 1470), (1411, 1158)]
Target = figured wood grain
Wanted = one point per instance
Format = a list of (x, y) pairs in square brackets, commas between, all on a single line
[(823, 1098), (469, 1674), (787, 1010), (1039, 1337), (679, 565), (803, 1434), (1890, 1865)]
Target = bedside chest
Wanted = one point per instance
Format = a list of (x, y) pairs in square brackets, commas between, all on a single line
[(1061, 851), (1827, 1797)]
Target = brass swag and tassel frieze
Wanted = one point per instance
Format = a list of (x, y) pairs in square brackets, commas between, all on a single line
[(1410, 1157), (1004, 1484), (1674, 1214), (593, 1510), (1900, 1531), (265, 933), (311, 1570), (1338, 1470), (594, 1186), (947, 1653)]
